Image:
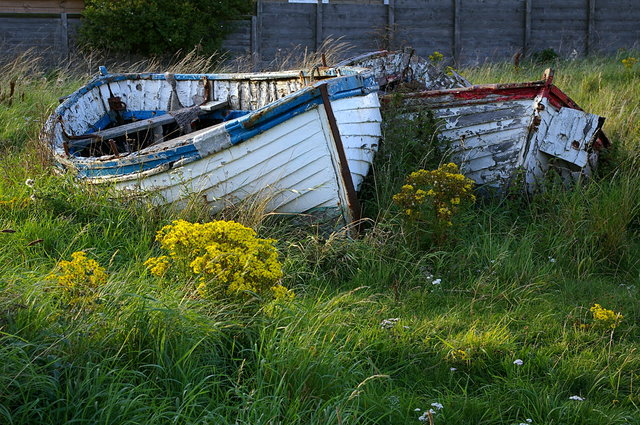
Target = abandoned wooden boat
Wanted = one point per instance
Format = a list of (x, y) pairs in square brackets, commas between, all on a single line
[(493, 131), (391, 68), (300, 141)]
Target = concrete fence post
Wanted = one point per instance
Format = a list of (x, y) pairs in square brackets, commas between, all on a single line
[(526, 47), (591, 27), (391, 22), (457, 9), (319, 22), (64, 35)]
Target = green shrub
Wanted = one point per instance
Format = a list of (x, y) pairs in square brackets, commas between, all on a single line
[(545, 56), (158, 26)]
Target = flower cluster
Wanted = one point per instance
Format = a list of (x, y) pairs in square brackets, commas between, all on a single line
[(79, 279), (436, 57), (224, 255), (605, 318), (427, 415), (445, 189), (15, 203), (629, 62), (389, 323)]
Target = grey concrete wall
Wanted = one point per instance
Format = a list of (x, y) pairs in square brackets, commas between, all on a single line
[(427, 26), (238, 42), (617, 24), (471, 31)]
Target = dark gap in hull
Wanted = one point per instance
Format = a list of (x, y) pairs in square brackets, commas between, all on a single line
[(136, 141)]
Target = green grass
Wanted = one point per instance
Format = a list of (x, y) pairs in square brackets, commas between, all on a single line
[(518, 278)]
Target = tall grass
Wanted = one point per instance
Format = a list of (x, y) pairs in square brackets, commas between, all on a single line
[(518, 278)]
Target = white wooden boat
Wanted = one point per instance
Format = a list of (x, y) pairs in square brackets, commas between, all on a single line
[(495, 130), (302, 141)]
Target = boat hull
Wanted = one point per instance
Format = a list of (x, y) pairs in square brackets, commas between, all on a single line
[(291, 151), (501, 133)]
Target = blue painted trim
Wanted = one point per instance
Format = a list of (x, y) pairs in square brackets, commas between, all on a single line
[(101, 124), (147, 162), (142, 115)]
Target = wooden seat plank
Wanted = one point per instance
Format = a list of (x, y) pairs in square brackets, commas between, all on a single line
[(141, 125)]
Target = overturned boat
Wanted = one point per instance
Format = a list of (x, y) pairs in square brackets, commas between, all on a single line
[(299, 141), (498, 133)]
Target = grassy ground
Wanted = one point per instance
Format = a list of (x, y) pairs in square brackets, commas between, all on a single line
[(518, 278)]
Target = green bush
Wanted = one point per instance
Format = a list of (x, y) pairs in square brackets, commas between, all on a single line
[(158, 26)]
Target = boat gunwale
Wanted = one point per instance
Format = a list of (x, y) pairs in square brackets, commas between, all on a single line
[(101, 80), (185, 149), (239, 129)]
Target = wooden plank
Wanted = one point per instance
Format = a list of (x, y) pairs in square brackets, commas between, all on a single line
[(41, 6), (142, 125)]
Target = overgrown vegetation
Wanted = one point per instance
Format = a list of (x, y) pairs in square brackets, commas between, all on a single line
[(528, 314), (159, 26)]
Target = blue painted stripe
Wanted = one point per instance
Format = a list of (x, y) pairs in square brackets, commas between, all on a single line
[(136, 165)]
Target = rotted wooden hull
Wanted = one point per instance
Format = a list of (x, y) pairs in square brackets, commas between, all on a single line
[(389, 67), (283, 140), (501, 132)]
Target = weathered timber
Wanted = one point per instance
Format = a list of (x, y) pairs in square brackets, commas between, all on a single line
[(501, 133), (148, 124)]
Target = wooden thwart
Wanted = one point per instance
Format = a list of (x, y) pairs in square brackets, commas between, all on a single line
[(149, 124)]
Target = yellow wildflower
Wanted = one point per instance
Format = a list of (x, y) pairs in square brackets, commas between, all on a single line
[(629, 62), (282, 293), (157, 265), (604, 317), (227, 256), (436, 57), (79, 279)]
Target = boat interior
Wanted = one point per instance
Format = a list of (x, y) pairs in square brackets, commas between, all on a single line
[(118, 116)]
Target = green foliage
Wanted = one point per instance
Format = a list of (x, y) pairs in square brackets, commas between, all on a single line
[(158, 27), (545, 56)]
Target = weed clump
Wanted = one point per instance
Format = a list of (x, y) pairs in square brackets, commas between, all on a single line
[(79, 280), (447, 191), (225, 257), (435, 197), (605, 318)]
